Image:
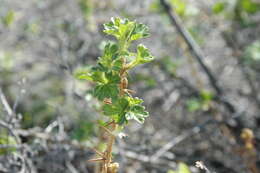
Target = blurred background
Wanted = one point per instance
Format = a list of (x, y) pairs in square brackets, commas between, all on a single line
[(202, 89)]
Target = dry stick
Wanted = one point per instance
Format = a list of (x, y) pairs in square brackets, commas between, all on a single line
[(187, 134), (197, 53), (194, 71), (10, 114), (195, 50), (5, 103), (178, 139), (146, 159)]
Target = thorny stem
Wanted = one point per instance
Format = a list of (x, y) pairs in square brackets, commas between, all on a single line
[(110, 144), (106, 165)]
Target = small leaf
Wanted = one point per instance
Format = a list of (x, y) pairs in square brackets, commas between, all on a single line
[(7, 140), (182, 168), (126, 30), (180, 6), (112, 27), (121, 119), (111, 110), (139, 31), (249, 6), (219, 7), (110, 51), (117, 65), (143, 56), (112, 78), (9, 18), (194, 105), (206, 95), (134, 101), (91, 75), (106, 91), (82, 74), (116, 109), (138, 113)]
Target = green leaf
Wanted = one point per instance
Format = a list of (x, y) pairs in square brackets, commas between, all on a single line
[(112, 77), (116, 109), (194, 105), (206, 95), (7, 140), (143, 56), (125, 109), (106, 91), (138, 113), (249, 6), (111, 110), (134, 101), (112, 27), (117, 65), (121, 119), (139, 31), (91, 75), (179, 6), (182, 168), (156, 7), (126, 30), (110, 53), (110, 60), (82, 74), (9, 18), (219, 7)]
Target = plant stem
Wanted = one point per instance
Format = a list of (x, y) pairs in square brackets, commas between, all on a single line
[(106, 166), (110, 143)]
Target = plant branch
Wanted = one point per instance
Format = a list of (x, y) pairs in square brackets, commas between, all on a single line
[(5, 103), (197, 53)]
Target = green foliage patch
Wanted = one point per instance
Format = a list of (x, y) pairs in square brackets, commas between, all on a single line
[(110, 75), (182, 168)]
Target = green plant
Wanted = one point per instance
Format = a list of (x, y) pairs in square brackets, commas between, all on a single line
[(239, 10), (9, 141), (111, 78), (182, 168), (203, 102), (9, 18)]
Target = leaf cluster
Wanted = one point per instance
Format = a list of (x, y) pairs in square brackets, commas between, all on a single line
[(112, 67)]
